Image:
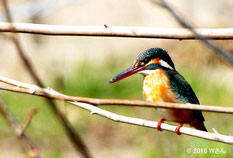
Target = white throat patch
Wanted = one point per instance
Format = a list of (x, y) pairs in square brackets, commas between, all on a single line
[(165, 64)]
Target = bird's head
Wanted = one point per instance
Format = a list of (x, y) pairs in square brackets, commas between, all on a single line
[(147, 62)]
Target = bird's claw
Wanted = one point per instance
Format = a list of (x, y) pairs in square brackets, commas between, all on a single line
[(159, 124), (178, 128)]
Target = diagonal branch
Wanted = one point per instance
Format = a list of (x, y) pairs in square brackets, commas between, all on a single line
[(151, 124), (28, 119), (21, 87), (28, 146), (74, 137), (90, 105), (228, 56), (116, 31)]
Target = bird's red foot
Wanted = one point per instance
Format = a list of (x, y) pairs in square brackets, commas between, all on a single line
[(178, 128), (159, 124)]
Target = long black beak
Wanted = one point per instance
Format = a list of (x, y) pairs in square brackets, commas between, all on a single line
[(130, 71)]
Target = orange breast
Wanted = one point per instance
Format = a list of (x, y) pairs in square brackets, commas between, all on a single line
[(156, 87)]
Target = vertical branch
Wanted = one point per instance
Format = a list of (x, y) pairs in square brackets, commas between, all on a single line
[(76, 140), (29, 148)]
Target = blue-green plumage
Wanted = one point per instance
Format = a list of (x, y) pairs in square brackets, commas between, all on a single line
[(183, 91)]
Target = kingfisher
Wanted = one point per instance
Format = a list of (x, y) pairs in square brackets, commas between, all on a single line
[(162, 83)]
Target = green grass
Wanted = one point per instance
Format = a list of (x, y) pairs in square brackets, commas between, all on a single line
[(92, 81)]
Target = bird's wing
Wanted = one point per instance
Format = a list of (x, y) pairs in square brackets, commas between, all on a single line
[(184, 91)]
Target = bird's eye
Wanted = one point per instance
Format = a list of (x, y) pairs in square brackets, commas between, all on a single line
[(141, 63), (146, 60)]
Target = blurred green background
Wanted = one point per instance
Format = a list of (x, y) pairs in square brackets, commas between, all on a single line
[(82, 66)]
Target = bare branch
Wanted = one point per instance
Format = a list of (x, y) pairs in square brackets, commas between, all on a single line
[(26, 88), (90, 104), (117, 31), (151, 124), (76, 140), (28, 119), (28, 146), (228, 56)]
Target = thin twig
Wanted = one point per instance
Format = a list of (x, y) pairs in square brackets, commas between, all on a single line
[(28, 119), (228, 56), (215, 131), (29, 148), (21, 87), (76, 140), (117, 31)]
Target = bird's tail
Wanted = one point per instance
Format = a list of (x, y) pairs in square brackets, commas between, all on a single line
[(199, 125)]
